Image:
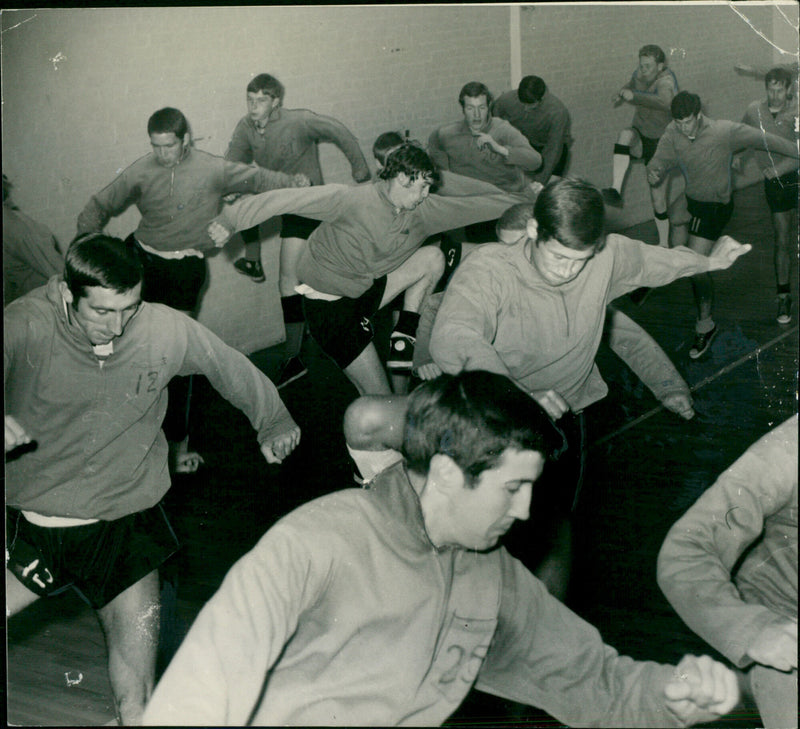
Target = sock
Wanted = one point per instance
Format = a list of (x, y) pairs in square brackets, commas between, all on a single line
[(621, 162), (702, 326), (662, 225), (783, 289), (407, 323)]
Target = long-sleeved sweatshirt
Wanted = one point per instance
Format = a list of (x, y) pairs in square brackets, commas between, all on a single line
[(705, 161), (452, 147), (176, 203), (546, 126), (652, 102), (289, 142), (751, 506), (783, 124), (363, 235), (101, 453), (30, 254), (345, 613), (500, 315)]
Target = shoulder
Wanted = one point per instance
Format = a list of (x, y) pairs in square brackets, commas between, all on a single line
[(666, 79), (449, 130), (243, 126), (34, 312), (506, 99)]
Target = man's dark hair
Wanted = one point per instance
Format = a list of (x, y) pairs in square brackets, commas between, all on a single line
[(781, 75), (474, 417), (474, 89), (166, 121), (386, 143), (531, 90), (97, 259), (571, 211), (653, 51), (264, 83), (685, 104), (411, 160)]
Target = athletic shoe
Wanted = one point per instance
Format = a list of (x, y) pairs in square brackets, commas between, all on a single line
[(293, 369), (639, 295), (611, 197), (784, 315), (401, 352), (702, 342), (250, 268)]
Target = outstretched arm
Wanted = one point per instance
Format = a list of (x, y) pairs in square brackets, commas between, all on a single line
[(649, 362)]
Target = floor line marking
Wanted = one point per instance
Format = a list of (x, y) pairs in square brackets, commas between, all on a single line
[(724, 370)]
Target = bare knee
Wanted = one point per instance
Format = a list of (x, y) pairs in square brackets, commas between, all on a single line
[(431, 261), (363, 422)]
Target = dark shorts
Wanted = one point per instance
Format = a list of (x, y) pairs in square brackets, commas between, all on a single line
[(174, 282), (99, 561), (343, 328), (782, 192), (649, 146), (708, 218), (295, 226)]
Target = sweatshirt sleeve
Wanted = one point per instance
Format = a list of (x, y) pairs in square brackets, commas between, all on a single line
[(327, 129), (556, 135), (634, 346), (660, 99), (744, 136), (237, 379), (217, 676), (695, 562), (440, 212), (112, 200), (665, 157), (639, 264), (239, 149), (545, 655), (520, 152), (238, 177), (321, 202), (466, 323)]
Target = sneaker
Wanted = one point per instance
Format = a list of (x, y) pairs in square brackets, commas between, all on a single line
[(701, 343), (401, 352), (293, 369), (250, 268), (611, 197), (784, 315), (639, 295)]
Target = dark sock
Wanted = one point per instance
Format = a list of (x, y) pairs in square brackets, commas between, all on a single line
[(292, 307), (407, 323), (250, 235), (783, 289)]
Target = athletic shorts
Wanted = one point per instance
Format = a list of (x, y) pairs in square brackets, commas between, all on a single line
[(343, 328), (649, 146), (708, 218), (295, 226), (175, 282), (782, 192), (99, 560)]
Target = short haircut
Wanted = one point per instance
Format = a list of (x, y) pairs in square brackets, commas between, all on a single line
[(531, 89), (474, 89), (570, 211), (386, 143), (685, 104), (266, 84), (166, 121), (779, 74), (653, 51), (411, 160), (97, 259), (516, 217), (474, 417)]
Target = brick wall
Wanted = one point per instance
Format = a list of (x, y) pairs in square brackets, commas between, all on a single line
[(79, 84)]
